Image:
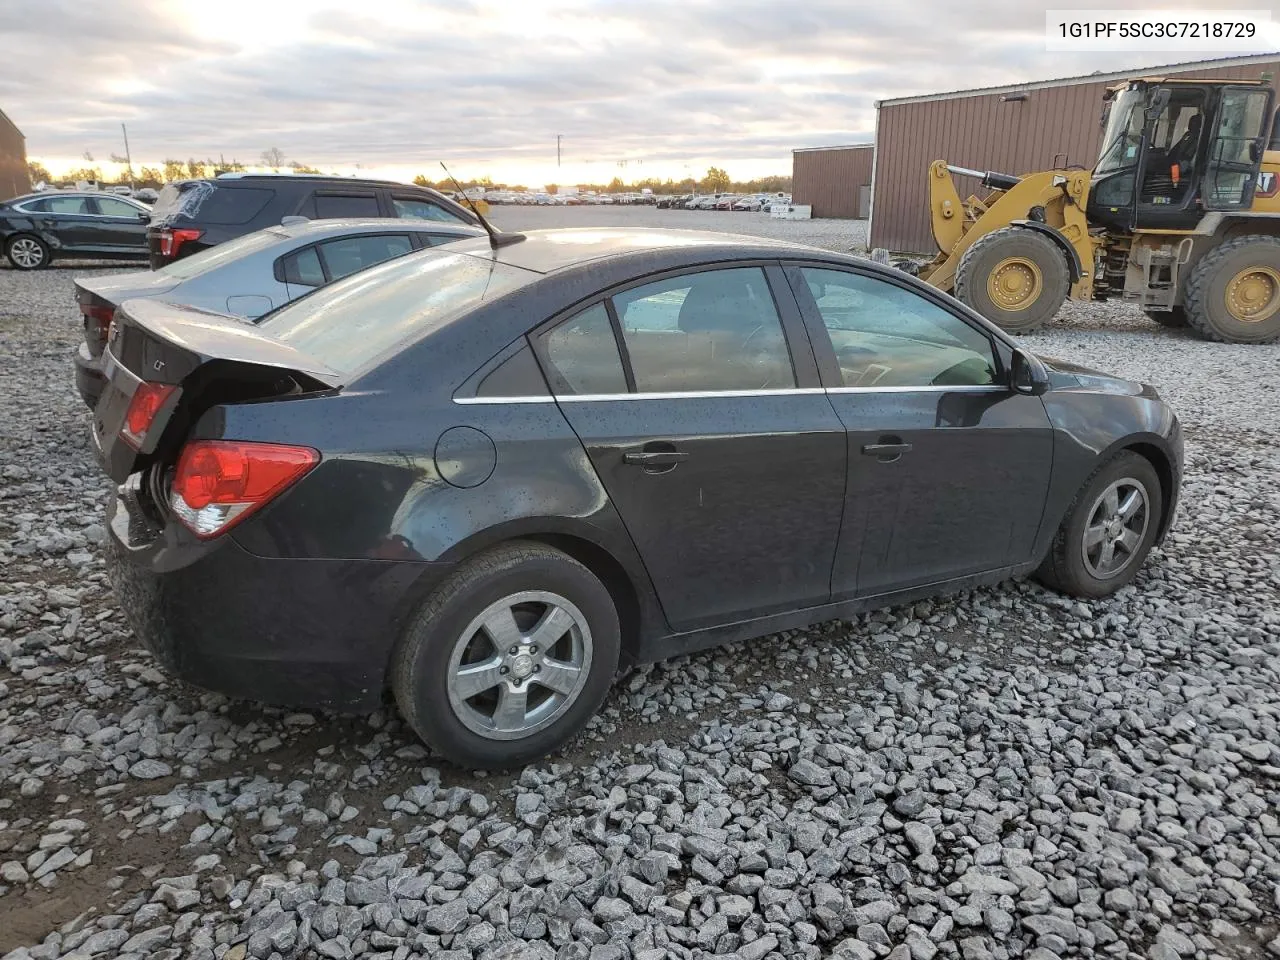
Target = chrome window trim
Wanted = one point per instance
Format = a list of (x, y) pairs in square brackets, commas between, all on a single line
[(716, 394)]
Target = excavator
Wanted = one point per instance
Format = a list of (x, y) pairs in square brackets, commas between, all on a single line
[(1180, 216)]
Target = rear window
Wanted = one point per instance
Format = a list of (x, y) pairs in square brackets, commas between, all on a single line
[(211, 203), (222, 254), (349, 323)]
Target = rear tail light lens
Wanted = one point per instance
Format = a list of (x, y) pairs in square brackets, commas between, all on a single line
[(220, 482), (171, 241), (143, 407), (97, 320)]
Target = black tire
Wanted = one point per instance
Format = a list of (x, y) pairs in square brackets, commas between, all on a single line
[(421, 666), (1174, 319), (1067, 567), (1208, 287), (981, 260), (20, 244)]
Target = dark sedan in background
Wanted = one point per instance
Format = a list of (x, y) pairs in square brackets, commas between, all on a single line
[(484, 477), (39, 228)]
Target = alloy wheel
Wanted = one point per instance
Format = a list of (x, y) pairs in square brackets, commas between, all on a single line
[(1115, 530), (519, 665), (27, 253)]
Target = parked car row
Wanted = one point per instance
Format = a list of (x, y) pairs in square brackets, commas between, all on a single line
[(525, 199), (739, 202), (193, 215), (485, 477)]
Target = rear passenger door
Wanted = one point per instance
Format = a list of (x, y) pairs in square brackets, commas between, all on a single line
[(697, 401)]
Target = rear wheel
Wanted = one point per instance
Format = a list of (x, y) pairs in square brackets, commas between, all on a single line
[(509, 658), (1015, 277), (1233, 293), (1174, 319), (1108, 530), (27, 252)]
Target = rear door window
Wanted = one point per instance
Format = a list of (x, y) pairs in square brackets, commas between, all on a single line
[(583, 355), (337, 205), (347, 255), (74, 205), (708, 331)]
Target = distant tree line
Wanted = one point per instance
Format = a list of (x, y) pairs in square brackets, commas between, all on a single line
[(167, 172), (716, 181)]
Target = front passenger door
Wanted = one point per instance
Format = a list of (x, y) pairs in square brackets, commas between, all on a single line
[(948, 466)]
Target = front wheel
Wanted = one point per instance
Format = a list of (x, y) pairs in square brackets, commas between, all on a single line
[(1015, 277), (509, 658), (1108, 530), (27, 252)]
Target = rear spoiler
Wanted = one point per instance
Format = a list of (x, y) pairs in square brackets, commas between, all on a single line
[(199, 336)]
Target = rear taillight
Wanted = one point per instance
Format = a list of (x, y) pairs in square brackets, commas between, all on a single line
[(143, 407), (172, 240), (220, 482), (97, 320)]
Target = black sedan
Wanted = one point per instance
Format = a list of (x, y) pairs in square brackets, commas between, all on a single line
[(41, 227), (486, 477)]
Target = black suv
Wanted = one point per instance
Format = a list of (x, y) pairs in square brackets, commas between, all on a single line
[(192, 215)]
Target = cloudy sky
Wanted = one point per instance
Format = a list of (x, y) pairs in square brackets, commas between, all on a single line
[(665, 86)]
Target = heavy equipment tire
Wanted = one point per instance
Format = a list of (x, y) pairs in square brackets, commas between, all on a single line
[(453, 674), (26, 252), (1174, 319), (1098, 549), (1233, 293), (1016, 278)]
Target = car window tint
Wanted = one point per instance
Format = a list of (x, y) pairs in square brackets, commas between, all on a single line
[(348, 254), (74, 205), (333, 205), (716, 330), (888, 336), (303, 268), (111, 207), (34, 206), (414, 208), (584, 355), (224, 205)]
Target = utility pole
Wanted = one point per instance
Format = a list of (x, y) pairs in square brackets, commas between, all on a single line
[(558, 136), (128, 159)]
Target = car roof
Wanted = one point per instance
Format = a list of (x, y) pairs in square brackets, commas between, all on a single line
[(549, 251), (317, 228), (41, 194), (310, 178)]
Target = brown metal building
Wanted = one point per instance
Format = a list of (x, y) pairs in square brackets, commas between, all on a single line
[(835, 181), (1015, 129), (13, 160)]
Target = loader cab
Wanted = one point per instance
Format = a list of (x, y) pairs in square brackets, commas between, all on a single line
[(1173, 150)]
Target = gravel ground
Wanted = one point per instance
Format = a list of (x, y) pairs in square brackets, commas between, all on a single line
[(1007, 773)]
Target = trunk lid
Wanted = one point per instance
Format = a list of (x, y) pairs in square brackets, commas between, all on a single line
[(98, 297), (206, 358)]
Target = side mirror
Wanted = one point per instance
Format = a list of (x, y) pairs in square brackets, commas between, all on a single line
[(1027, 374)]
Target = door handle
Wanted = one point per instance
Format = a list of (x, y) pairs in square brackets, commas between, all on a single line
[(657, 458), (887, 450)]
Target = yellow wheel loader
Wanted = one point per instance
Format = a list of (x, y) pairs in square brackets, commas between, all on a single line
[(1181, 216)]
